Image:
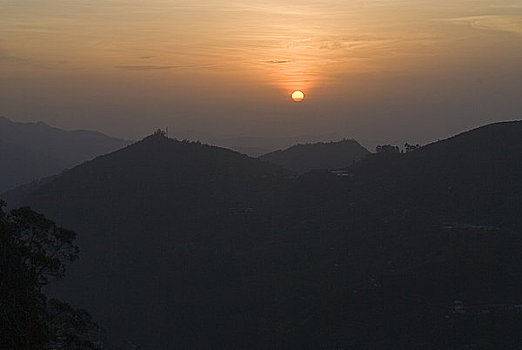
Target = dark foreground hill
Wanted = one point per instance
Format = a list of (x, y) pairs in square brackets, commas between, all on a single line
[(474, 176), (191, 246), (33, 150), (163, 228), (305, 157)]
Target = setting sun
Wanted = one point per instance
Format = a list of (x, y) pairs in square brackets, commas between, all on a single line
[(298, 96)]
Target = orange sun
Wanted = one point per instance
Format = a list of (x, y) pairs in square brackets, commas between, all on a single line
[(298, 96)]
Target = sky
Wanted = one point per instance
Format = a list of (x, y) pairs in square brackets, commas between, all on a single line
[(375, 70)]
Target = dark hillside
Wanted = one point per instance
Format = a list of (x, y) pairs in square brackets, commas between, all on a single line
[(166, 229), (472, 177), (305, 157), (202, 247)]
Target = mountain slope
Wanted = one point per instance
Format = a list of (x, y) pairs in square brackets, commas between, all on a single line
[(474, 176), (33, 150), (195, 246), (305, 157), (160, 224)]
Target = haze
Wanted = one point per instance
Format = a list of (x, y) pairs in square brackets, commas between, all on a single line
[(379, 70)]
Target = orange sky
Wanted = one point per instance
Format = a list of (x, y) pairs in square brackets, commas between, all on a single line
[(379, 69)]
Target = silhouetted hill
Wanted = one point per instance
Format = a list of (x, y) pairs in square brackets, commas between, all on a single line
[(191, 246), (33, 150), (305, 157), (158, 221), (475, 176), (249, 151)]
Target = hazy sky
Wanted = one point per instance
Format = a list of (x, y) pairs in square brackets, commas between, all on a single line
[(371, 69)]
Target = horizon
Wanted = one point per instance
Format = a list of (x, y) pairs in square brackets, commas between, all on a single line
[(370, 70), (259, 145)]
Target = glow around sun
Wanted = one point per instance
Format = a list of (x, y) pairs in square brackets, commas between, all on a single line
[(298, 96)]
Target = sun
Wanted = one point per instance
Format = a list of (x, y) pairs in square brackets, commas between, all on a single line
[(298, 96)]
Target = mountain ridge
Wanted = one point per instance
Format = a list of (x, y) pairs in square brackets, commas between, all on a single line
[(33, 150), (321, 155)]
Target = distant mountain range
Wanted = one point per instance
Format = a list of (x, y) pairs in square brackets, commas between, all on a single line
[(305, 157), (255, 146), (33, 150), (193, 246)]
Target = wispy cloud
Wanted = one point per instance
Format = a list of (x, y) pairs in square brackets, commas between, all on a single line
[(147, 67), (510, 6), (512, 24), (7, 57), (277, 61)]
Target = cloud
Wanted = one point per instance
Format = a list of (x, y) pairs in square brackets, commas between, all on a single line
[(512, 24), (146, 67), (512, 6), (11, 59), (6, 57), (277, 61)]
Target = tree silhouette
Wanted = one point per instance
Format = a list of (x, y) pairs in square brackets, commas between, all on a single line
[(387, 149), (33, 252), (71, 328), (410, 148)]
